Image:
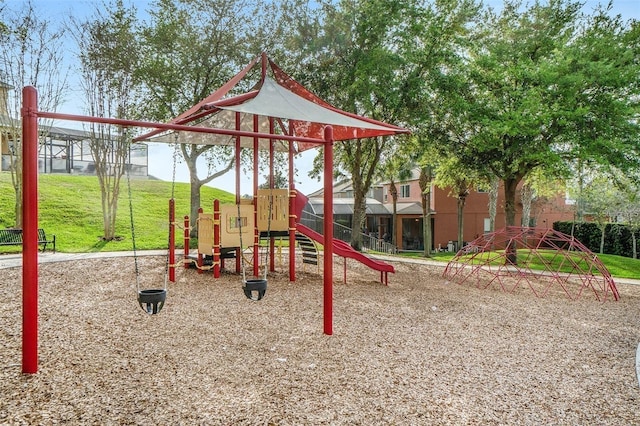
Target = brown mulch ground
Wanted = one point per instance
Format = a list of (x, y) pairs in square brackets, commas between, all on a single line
[(420, 351)]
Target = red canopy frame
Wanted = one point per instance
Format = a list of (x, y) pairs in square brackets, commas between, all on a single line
[(336, 125)]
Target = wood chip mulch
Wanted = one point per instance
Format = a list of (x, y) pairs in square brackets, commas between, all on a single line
[(419, 351)]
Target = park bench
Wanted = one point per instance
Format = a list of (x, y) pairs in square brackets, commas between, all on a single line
[(13, 237)]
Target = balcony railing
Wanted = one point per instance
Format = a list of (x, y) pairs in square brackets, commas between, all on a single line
[(341, 232)]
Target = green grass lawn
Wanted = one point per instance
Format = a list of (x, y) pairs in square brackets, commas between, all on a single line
[(70, 208), (618, 266)]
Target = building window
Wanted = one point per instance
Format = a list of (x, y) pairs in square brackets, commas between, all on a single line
[(404, 191), (386, 194)]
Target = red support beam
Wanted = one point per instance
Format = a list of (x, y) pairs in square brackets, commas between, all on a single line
[(200, 261), (256, 234), (168, 126), (187, 242), (238, 149), (29, 230), (272, 184), (216, 238), (328, 230), (292, 219)]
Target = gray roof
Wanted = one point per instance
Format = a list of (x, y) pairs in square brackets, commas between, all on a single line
[(408, 208), (64, 133), (344, 206)]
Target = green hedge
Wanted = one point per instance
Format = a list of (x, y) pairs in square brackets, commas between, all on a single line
[(617, 238)]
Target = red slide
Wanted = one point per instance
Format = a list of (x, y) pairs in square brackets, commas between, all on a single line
[(340, 247), (343, 249)]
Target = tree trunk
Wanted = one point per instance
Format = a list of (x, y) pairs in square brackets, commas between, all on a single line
[(359, 217), (15, 166), (462, 199), (635, 244), (18, 206), (426, 176), (195, 202), (527, 199), (510, 186), (603, 229), (394, 197), (190, 153), (493, 203)]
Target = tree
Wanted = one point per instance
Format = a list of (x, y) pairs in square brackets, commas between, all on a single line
[(494, 186), (460, 182), (373, 58), (435, 92), (602, 202), (191, 48), (31, 54), (630, 209), (425, 180), (550, 87), (353, 68), (537, 187), (107, 51), (397, 167)]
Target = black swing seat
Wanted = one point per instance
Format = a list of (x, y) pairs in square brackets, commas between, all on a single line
[(255, 289), (151, 301)]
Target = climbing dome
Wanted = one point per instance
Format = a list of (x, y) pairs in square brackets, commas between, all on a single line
[(505, 259)]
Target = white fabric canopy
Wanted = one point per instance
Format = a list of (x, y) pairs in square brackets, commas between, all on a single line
[(223, 120), (280, 100), (274, 100)]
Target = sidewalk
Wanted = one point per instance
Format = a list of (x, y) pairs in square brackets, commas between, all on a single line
[(15, 260)]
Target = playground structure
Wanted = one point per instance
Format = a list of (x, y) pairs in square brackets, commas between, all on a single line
[(278, 111), (219, 235), (504, 258)]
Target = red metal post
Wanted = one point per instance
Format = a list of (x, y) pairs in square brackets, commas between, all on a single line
[(216, 238), (292, 219), (187, 242), (29, 230), (200, 260), (238, 154), (256, 233), (328, 230), (272, 254), (172, 240), (292, 233), (238, 149)]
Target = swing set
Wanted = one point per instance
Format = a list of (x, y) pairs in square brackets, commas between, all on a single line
[(277, 110)]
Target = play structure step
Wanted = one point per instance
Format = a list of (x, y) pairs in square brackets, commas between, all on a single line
[(309, 249)]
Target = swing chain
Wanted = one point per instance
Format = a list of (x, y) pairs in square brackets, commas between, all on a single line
[(133, 232), (173, 190), (239, 223), (175, 160), (270, 212)]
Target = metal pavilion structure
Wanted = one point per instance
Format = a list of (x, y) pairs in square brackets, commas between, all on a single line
[(277, 112)]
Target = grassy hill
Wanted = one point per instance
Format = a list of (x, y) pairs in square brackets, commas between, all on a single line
[(70, 208)]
